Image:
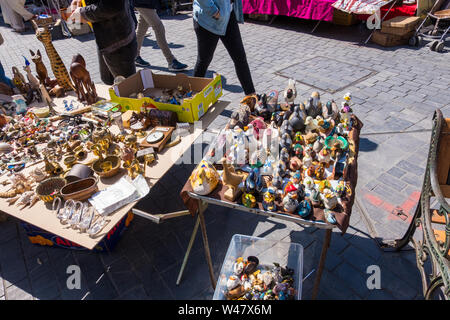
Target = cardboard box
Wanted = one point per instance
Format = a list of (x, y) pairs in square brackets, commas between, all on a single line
[(390, 40), (41, 237), (400, 25), (192, 109), (343, 18)]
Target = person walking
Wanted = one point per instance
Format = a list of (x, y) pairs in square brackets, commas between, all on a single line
[(218, 19), (114, 32), (148, 17), (14, 13)]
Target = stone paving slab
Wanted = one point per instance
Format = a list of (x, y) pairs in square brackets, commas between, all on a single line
[(395, 92)]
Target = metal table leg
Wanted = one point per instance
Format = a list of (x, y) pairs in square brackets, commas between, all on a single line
[(323, 256), (202, 208), (189, 248)]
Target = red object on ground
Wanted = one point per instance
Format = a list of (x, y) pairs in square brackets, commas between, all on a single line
[(403, 10), (304, 9)]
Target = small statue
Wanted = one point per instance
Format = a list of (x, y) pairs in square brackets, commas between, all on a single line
[(290, 93), (254, 182), (269, 200), (42, 70), (232, 180), (34, 82), (18, 80), (290, 202), (304, 208), (84, 86), (330, 110), (248, 200), (204, 178)]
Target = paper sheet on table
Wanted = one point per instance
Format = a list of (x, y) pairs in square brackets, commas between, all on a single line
[(119, 194)]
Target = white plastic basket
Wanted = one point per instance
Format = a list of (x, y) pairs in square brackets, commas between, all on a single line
[(268, 251)]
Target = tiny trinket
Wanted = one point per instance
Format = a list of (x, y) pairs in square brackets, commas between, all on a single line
[(269, 200)]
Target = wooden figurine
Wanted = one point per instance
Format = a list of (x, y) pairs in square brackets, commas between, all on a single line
[(18, 80), (232, 180), (84, 86), (32, 80), (58, 67), (41, 70)]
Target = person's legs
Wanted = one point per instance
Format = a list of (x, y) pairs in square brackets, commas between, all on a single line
[(105, 74), (153, 20), (141, 30), (18, 7), (206, 45), (233, 43), (122, 61), (11, 17)]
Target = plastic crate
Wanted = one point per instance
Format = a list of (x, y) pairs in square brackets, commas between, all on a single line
[(268, 251)]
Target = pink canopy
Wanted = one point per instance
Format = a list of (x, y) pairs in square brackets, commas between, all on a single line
[(304, 9)]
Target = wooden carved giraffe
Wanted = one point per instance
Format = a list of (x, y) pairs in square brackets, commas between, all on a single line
[(58, 67)]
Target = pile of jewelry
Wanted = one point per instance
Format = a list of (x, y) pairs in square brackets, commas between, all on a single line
[(252, 281)]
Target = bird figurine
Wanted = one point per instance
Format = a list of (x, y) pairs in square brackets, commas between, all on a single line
[(304, 208), (204, 178), (297, 119), (330, 110), (254, 182), (269, 199), (231, 179), (290, 202), (290, 93)]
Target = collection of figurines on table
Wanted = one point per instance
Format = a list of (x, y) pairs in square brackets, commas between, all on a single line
[(171, 96), (252, 281), (289, 157), (61, 162)]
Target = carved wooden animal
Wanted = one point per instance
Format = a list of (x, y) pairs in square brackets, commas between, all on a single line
[(18, 80), (40, 67), (34, 82), (58, 67), (84, 86)]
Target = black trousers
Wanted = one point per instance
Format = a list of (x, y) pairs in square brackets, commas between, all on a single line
[(118, 63), (207, 43)]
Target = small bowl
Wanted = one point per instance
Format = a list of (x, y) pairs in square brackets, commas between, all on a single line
[(80, 190), (115, 166), (45, 189)]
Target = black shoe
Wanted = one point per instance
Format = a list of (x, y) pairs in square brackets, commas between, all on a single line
[(177, 65), (141, 62)]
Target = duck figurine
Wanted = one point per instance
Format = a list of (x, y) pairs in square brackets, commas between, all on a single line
[(304, 208), (311, 124), (290, 202), (290, 93), (204, 178), (284, 156), (286, 141), (330, 110), (231, 179), (329, 199), (312, 106), (324, 157), (297, 119), (261, 108), (269, 200), (318, 145), (272, 100), (259, 127), (286, 128), (298, 138), (248, 200), (277, 181), (330, 216), (254, 182)]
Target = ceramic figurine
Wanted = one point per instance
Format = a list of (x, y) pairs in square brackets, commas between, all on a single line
[(204, 178), (318, 145), (240, 117), (295, 163), (329, 199), (311, 124), (314, 197), (286, 128), (267, 168), (343, 190), (330, 110), (258, 128), (324, 157), (290, 202), (319, 172), (262, 108), (298, 150), (248, 200), (297, 119), (297, 180), (284, 156), (312, 106), (290, 93), (272, 100), (310, 138), (254, 182), (286, 141), (84, 86), (250, 101), (304, 208), (329, 216), (298, 138), (232, 180), (269, 200), (58, 67), (308, 182), (277, 181), (315, 95), (281, 168)]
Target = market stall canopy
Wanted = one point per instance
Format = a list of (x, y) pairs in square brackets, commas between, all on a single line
[(360, 6)]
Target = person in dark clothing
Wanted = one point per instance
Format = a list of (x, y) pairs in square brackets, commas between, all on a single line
[(148, 17), (218, 19), (115, 35)]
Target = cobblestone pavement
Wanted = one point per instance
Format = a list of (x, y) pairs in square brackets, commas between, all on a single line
[(396, 91)]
